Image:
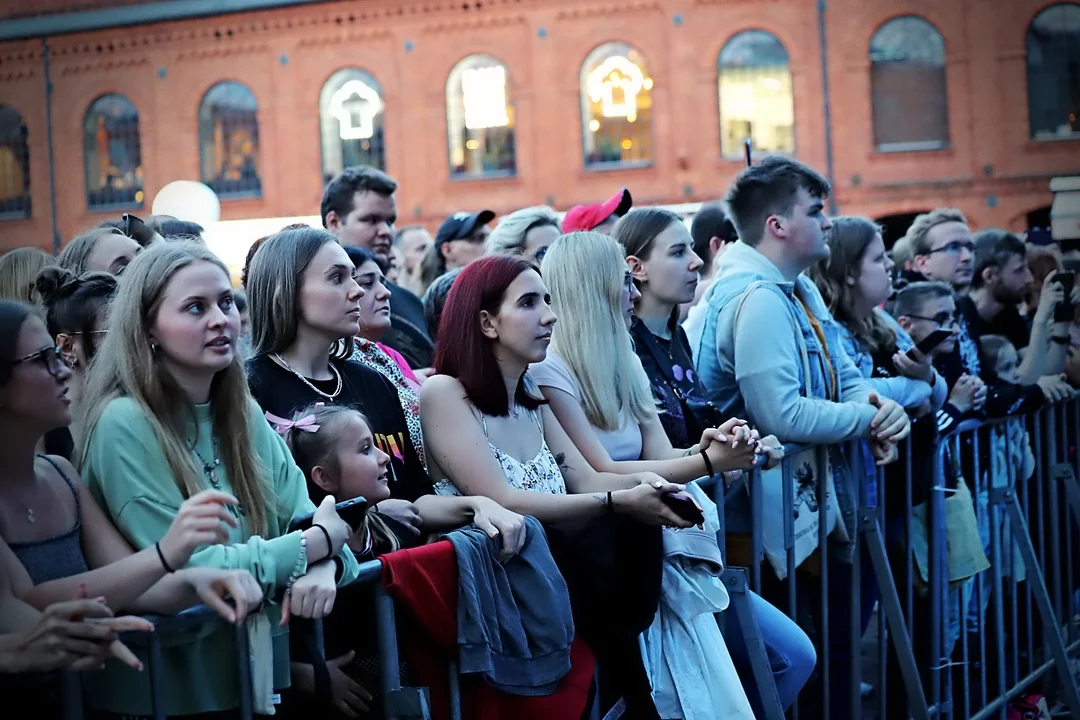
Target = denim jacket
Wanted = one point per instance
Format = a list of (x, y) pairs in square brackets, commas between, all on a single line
[(755, 368)]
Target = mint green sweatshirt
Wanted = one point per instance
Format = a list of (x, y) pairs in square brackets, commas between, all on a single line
[(125, 469)]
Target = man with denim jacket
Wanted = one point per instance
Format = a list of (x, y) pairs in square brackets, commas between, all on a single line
[(771, 353)]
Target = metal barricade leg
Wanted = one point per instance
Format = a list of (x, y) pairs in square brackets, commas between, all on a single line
[(398, 702), (453, 686), (243, 670), (157, 682), (71, 700), (1051, 629), (736, 582)]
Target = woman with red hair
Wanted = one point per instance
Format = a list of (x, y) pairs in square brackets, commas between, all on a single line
[(489, 432)]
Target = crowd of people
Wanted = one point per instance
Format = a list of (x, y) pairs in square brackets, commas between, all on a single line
[(557, 383)]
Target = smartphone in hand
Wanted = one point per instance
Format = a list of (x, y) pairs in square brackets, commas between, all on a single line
[(931, 341), (351, 511), (1065, 310), (684, 506)]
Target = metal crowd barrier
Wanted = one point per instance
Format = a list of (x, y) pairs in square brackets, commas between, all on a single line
[(1023, 632)]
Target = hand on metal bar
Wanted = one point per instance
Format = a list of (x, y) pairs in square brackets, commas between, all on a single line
[(213, 586), (349, 697), (312, 595), (1055, 388), (891, 423)]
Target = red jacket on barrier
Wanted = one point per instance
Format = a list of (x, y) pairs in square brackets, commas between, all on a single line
[(423, 582)]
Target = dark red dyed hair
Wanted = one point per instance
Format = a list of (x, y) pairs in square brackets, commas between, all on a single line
[(462, 351)]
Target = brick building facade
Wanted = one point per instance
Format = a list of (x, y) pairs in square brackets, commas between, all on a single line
[(930, 102)]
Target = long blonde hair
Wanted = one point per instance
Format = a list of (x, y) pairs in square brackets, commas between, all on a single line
[(585, 273), (127, 366), (19, 269)]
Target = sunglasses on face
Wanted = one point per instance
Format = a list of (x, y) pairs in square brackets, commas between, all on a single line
[(942, 320), (50, 357)]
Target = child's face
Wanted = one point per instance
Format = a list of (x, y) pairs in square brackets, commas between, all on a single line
[(363, 468), (1008, 365)]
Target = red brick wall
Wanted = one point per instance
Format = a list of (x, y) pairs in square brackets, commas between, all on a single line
[(992, 170)]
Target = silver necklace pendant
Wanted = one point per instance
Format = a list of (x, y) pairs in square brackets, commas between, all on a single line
[(30, 515)]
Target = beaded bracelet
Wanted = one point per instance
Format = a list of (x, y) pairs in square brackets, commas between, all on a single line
[(301, 562)]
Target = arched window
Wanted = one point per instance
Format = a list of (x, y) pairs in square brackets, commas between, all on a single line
[(111, 154), (616, 107), (351, 122), (480, 118), (229, 140), (1053, 71), (14, 165), (907, 86), (756, 100)]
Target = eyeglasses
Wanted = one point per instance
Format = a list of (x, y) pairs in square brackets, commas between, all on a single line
[(941, 319), (50, 357), (953, 248)]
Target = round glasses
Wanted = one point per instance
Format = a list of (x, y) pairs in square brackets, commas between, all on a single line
[(50, 357)]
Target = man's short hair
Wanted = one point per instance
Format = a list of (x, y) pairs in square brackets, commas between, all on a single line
[(709, 222), (913, 297), (769, 188), (993, 248), (339, 192), (923, 224), (901, 252)]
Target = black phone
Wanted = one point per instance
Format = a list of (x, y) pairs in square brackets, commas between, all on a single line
[(684, 506), (351, 511), (931, 341), (1064, 311)]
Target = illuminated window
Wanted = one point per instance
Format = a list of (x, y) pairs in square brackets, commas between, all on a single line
[(907, 86), (1053, 71), (229, 140), (756, 101), (111, 154), (616, 107), (14, 165), (480, 118), (351, 122)]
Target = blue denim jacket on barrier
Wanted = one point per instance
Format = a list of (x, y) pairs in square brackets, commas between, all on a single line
[(756, 371)]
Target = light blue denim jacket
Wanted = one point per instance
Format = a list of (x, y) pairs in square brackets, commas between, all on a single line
[(907, 392), (756, 371)]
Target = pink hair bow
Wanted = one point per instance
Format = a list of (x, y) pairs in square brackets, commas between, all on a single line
[(283, 426)]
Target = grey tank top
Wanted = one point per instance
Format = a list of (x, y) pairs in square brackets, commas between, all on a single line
[(59, 556)]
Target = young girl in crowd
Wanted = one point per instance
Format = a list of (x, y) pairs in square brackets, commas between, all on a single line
[(335, 447), (490, 433), (167, 413), (305, 302), (104, 250), (659, 254), (75, 313), (368, 351)]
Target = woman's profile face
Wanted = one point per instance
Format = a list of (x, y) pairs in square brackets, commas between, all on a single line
[(874, 282), (671, 272), (112, 253), (523, 324), (329, 295)]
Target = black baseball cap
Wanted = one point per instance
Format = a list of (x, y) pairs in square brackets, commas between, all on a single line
[(461, 225)]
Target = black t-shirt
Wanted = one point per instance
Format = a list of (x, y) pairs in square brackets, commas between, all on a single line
[(1008, 323), (670, 369), (408, 328), (282, 393)]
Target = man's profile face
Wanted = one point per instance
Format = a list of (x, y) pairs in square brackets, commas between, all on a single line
[(951, 255), (806, 229)]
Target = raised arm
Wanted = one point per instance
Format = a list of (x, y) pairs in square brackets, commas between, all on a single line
[(457, 445)]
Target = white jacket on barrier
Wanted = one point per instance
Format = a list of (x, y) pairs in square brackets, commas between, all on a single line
[(685, 655)]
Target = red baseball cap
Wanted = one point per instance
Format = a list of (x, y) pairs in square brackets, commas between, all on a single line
[(587, 217)]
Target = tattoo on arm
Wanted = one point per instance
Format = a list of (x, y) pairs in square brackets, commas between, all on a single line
[(560, 460), (688, 452)]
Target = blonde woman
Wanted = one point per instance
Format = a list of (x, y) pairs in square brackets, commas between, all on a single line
[(527, 233), (595, 383), (104, 249), (18, 269), (167, 414)]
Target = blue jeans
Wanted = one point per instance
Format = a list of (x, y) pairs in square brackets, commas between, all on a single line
[(790, 653)]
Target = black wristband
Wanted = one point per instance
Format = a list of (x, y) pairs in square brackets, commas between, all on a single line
[(329, 542), (1061, 339), (708, 463), (609, 507), (339, 568), (161, 557)]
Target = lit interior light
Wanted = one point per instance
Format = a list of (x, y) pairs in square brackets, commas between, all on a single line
[(771, 83), (594, 125), (627, 144), (484, 93), (615, 84), (139, 196), (355, 106), (472, 144), (647, 84)]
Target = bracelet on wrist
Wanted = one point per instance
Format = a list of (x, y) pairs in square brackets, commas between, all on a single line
[(708, 463), (329, 542), (161, 557), (609, 506)]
